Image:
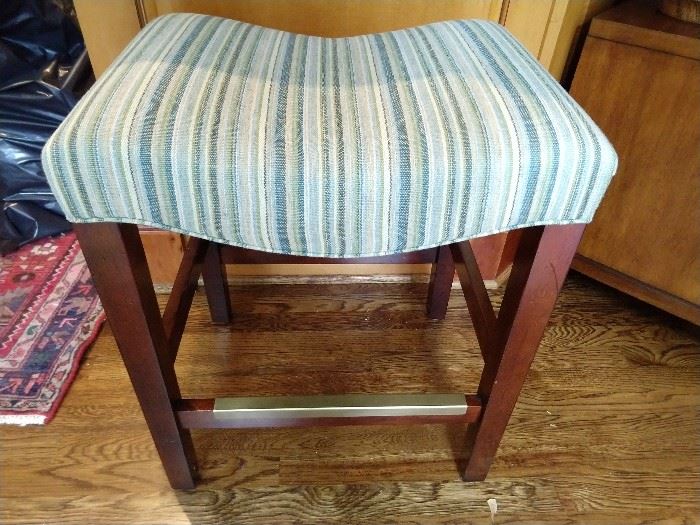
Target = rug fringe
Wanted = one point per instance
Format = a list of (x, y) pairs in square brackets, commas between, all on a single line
[(22, 419)]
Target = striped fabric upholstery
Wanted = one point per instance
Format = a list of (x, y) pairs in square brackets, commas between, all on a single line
[(342, 147)]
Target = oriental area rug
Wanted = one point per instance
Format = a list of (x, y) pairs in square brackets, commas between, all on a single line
[(49, 315)]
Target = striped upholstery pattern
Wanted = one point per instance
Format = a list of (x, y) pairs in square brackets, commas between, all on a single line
[(343, 147)]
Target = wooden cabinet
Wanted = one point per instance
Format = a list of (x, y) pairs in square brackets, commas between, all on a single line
[(546, 27), (639, 78)]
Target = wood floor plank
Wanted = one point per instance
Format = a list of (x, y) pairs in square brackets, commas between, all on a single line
[(606, 431)]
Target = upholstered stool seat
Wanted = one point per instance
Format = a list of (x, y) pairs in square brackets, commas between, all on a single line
[(410, 141), (346, 147)]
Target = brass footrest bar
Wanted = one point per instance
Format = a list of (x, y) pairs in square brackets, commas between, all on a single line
[(351, 409), (350, 405)]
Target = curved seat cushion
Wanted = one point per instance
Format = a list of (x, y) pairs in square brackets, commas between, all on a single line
[(342, 147)]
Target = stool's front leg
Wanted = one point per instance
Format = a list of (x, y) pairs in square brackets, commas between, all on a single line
[(116, 259), (541, 264)]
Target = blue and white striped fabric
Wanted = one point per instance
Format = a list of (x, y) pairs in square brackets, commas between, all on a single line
[(358, 146)]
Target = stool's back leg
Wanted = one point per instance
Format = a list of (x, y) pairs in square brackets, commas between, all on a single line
[(115, 256), (216, 285), (541, 264), (441, 277)]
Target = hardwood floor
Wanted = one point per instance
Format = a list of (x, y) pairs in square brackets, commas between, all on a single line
[(607, 430)]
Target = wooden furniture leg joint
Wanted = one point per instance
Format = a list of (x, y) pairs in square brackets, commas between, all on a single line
[(148, 344)]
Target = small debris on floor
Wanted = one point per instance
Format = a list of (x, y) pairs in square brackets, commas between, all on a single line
[(493, 507)]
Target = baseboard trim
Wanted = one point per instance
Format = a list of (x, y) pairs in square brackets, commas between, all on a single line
[(638, 289)]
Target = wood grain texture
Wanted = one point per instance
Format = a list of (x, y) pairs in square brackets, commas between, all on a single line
[(176, 311), (566, 32), (117, 262), (441, 280), (333, 18), (491, 254), (480, 308), (646, 101), (107, 26), (686, 10), (539, 270), (528, 21), (606, 430), (551, 29), (640, 23), (164, 251), (639, 289), (216, 285)]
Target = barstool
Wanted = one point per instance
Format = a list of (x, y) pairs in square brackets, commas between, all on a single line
[(320, 149)]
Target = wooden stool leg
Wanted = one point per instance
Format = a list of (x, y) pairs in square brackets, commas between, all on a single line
[(541, 264), (216, 285), (441, 276), (115, 256)]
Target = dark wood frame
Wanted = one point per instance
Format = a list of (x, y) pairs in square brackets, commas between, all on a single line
[(148, 342)]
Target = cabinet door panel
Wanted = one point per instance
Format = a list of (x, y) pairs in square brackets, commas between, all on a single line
[(648, 226), (107, 27), (331, 17)]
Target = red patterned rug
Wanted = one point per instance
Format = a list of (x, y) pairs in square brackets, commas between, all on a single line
[(49, 315)]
